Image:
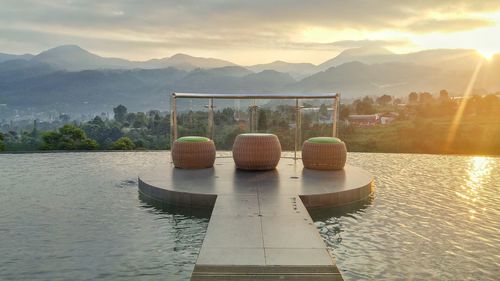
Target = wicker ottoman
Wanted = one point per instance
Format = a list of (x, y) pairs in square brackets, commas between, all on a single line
[(324, 153), (256, 151), (193, 153)]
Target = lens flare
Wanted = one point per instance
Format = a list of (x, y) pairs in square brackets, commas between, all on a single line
[(486, 54), (452, 132)]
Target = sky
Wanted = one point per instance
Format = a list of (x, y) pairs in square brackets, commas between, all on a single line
[(248, 32)]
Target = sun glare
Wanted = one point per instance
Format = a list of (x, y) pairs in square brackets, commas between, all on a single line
[(486, 54), (457, 119)]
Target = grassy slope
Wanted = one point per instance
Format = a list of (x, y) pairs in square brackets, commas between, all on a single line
[(475, 135)]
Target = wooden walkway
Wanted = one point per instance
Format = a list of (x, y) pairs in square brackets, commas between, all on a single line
[(255, 237), (260, 228)]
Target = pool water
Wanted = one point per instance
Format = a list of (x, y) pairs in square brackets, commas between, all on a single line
[(431, 218), (78, 216)]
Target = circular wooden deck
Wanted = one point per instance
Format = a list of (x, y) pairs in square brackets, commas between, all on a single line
[(199, 188)]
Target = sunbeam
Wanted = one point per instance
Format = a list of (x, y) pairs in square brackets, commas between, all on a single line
[(461, 108)]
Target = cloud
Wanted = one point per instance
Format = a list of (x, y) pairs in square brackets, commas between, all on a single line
[(448, 25), (226, 24), (369, 43), (343, 44)]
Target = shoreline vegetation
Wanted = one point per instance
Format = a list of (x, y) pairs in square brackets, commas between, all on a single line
[(167, 150), (424, 124)]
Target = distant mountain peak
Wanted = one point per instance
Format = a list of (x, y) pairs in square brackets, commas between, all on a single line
[(68, 47), (7, 57), (369, 54), (73, 57), (365, 51), (296, 70), (180, 56), (65, 49)]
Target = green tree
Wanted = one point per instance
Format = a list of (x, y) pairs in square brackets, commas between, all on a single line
[(368, 100), (323, 110), (120, 113), (262, 121), (384, 100), (488, 106), (140, 120), (443, 95), (64, 118), (105, 133), (364, 106), (344, 112), (2, 146), (425, 97), (413, 97), (97, 121), (154, 123), (68, 137), (130, 117), (123, 143)]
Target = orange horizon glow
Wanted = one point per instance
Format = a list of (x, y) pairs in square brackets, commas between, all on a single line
[(246, 35)]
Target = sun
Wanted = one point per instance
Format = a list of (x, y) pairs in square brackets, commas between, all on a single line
[(487, 54)]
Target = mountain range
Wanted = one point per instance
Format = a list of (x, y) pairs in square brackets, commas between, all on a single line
[(71, 78)]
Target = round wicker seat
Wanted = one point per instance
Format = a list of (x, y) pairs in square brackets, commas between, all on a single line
[(256, 151), (193, 152), (324, 153)]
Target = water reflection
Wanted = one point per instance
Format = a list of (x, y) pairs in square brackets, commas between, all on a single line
[(478, 171), (161, 208), (329, 223), (76, 216), (320, 214)]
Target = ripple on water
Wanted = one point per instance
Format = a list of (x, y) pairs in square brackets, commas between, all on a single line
[(62, 218), (432, 218), (127, 183)]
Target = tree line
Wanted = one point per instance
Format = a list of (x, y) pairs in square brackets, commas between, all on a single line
[(420, 126), (429, 124)]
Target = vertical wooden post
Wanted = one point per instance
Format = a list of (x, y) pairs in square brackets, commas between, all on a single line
[(297, 126), (173, 120), (253, 116), (211, 118), (335, 114)]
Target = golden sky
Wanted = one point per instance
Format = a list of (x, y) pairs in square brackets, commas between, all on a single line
[(248, 32)]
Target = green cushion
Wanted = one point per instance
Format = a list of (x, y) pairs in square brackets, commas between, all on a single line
[(256, 135), (192, 139), (324, 140)]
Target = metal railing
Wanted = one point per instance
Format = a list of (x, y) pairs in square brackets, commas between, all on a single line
[(253, 109)]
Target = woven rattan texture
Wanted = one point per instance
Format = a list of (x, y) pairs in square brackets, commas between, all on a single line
[(324, 156), (193, 155), (259, 152)]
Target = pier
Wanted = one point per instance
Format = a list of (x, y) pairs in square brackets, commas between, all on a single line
[(259, 228)]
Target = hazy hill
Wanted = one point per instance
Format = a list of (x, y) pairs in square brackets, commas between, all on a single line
[(140, 89), (74, 78), (362, 54), (365, 79), (213, 80), (7, 57), (19, 69), (72, 57), (235, 71), (443, 58), (355, 79), (92, 90), (185, 62), (296, 70)]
